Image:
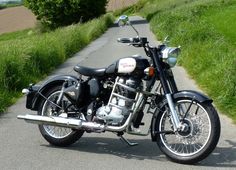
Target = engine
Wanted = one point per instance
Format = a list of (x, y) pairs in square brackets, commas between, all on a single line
[(121, 102)]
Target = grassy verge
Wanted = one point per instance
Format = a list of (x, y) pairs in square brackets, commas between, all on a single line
[(206, 31), (28, 57), (16, 35)]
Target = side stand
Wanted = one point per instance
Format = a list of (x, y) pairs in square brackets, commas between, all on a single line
[(126, 141)]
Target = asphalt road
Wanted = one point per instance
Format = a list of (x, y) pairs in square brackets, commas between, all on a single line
[(22, 147)]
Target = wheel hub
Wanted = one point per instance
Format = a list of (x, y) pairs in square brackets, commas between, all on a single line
[(186, 128)]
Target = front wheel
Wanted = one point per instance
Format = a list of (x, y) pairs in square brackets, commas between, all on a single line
[(200, 137), (58, 136)]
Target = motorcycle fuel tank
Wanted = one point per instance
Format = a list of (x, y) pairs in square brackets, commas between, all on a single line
[(126, 65), (132, 65)]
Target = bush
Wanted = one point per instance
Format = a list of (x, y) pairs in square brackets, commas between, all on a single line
[(56, 13)]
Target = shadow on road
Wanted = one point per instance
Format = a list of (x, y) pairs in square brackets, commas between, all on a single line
[(139, 21), (145, 149), (221, 157)]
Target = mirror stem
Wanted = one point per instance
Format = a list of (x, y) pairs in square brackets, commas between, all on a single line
[(134, 29)]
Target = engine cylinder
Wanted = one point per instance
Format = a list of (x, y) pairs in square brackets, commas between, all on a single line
[(121, 102)]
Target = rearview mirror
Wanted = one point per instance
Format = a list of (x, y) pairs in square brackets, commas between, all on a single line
[(123, 20)]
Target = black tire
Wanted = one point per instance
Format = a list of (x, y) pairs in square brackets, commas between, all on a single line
[(72, 135), (189, 141)]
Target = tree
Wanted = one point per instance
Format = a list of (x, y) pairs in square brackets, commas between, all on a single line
[(56, 13)]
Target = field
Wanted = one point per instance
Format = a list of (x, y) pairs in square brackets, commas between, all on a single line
[(119, 4), (15, 19)]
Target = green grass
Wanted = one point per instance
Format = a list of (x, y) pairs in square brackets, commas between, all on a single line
[(224, 21), (16, 35), (26, 58), (206, 31)]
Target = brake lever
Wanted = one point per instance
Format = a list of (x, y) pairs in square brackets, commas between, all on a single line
[(136, 44)]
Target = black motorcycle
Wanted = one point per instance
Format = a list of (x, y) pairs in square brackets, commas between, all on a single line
[(184, 124)]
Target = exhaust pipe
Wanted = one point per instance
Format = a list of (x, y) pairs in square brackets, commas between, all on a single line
[(62, 122), (73, 123)]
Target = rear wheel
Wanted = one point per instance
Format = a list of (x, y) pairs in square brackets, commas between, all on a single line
[(197, 140), (58, 136)]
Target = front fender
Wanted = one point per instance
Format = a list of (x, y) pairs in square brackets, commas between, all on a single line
[(196, 96), (185, 94), (57, 80)]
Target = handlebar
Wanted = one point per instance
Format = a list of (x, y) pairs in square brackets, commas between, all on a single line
[(137, 42), (127, 40)]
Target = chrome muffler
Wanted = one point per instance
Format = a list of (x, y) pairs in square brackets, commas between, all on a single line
[(62, 122), (73, 123)]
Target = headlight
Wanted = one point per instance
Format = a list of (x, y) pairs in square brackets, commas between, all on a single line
[(170, 54)]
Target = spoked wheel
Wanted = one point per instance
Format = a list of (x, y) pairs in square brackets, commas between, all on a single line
[(199, 137), (58, 136)]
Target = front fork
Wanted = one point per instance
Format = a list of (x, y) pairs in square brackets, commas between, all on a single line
[(169, 87), (177, 124), (174, 116)]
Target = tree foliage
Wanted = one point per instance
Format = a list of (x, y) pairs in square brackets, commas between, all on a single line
[(56, 13)]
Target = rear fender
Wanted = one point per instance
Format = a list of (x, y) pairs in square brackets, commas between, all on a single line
[(42, 90), (185, 94)]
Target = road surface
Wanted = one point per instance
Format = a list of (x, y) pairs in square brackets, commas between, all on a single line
[(22, 147)]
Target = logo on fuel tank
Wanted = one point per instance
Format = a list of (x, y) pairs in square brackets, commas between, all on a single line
[(126, 65)]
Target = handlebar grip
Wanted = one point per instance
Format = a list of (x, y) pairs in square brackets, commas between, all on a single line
[(125, 40)]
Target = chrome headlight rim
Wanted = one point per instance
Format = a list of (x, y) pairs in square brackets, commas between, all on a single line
[(170, 55)]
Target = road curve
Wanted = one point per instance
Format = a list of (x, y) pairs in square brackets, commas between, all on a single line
[(22, 147)]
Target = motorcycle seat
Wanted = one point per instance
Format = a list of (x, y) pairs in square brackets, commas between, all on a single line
[(87, 71)]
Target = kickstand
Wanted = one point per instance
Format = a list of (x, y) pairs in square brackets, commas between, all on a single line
[(128, 142)]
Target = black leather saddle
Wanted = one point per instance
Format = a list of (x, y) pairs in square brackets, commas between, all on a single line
[(87, 71), (96, 72)]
